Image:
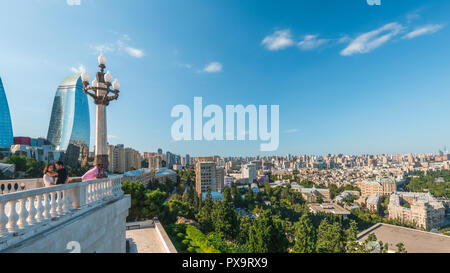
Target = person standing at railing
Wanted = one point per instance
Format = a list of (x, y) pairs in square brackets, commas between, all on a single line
[(50, 175), (63, 176), (95, 173)]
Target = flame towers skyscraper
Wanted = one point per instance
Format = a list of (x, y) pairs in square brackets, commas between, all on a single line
[(6, 132), (70, 122)]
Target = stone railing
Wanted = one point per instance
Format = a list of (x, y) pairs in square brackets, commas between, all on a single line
[(25, 213), (10, 186)]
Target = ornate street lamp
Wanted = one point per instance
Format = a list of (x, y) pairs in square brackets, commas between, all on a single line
[(100, 91)]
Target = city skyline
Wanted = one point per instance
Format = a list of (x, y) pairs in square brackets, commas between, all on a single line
[(320, 69)]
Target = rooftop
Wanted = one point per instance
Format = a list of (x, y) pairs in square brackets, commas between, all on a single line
[(415, 241), (162, 172), (328, 208), (148, 237)]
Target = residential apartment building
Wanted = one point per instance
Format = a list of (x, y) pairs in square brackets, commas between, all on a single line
[(249, 172), (373, 202), (381, 187), (123, 159), (133, 159), (154, 160), (220, 178), (424, 210), (205, 175), (116, 159)]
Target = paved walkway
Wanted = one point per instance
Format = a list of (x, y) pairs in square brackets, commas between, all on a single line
[(415, 241), (145, 240)]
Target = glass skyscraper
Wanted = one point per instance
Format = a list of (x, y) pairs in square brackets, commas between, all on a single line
[(6, 132), (69, 123)]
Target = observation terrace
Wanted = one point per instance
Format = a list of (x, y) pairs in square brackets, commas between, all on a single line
[(85, 217)]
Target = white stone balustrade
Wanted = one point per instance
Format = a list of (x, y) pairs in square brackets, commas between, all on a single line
[(10, 186), (26, 211)]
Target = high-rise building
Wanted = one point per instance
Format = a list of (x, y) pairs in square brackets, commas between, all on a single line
[(220, 178), (205, 176), (170, 159), (6, 132), (160, 151), (122, 159), (116, 159), (188, 160), (69, 123), (249, 171), (133, 159)]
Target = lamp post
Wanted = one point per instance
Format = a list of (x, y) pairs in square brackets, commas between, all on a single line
[(100, 90)]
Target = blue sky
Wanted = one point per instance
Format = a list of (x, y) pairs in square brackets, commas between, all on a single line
[(349, 77)]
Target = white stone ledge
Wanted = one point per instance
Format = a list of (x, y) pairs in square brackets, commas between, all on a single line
[(84, 226), (22, 213)]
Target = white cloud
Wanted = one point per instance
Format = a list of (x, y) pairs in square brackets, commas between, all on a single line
[(371, 40), (120, 45), (134, 52), (291, 131), (279, 40), (344, 39), (310, 42), (73, 2), (104, 48), (414, 15), (213, 67), (428, 29), (77, 70)]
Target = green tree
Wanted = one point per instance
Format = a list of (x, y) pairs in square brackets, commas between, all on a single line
[(19, 161), (244, 230), (352, 246), (145, 203), (224, 219), (330, 238), (204, 214), (305, 236), (227, 195), (267, 235), (400, 248)]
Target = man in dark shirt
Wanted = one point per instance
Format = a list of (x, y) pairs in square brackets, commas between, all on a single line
[(63, 176)]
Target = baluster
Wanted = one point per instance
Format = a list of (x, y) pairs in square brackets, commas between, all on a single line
[(47, 206), (102, 190), (119, 188), (91, 193), (95, 194), (109, 188), (31, 211), (114, 187), (53, 204), (59, 203), (23, 214), (99, 190), (66, 201), (39, 209), (88, 194), (13, 216), (3, 220), (69, 199), (98, 186)]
